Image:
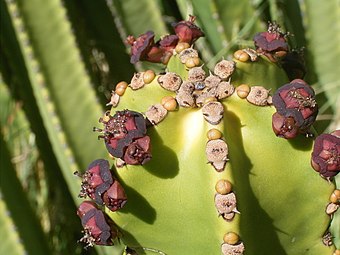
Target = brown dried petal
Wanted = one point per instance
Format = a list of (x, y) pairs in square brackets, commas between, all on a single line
[(141, 46), (212, 81), (225, 203), (185, 99), (196, 74), (217, 153), (213, 112), (137, 81), (170, 81), (188, 53), (224, 89), (114, 100), (237, 249), (258, 95), (206, 93), (224, 69), (156, 113)]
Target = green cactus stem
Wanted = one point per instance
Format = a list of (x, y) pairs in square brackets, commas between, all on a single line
[(170, 209)]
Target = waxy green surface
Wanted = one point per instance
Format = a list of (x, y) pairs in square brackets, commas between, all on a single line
[(170, 207)]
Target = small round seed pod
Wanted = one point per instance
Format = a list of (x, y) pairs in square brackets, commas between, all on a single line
[(170, 81), (336, 252), (181, 46), (120, 88), (335, 196), (223, 187), (229, 249), (148, 76), (258, 95), (188, 53), (214, 134), (114, 100), (196, 74), (213, 112), (224, 69), (137, 81), (224, 89), (231, 238), (156, 113), (241, 56), (243, 91), (192, 62), (169, 103)]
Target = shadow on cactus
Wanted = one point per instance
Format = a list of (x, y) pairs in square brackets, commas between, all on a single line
[(201, 166)]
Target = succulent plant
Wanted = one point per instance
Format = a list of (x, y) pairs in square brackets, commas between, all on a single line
[(197, 155)]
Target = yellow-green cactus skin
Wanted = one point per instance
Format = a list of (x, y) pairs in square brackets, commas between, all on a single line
[(281, 201)]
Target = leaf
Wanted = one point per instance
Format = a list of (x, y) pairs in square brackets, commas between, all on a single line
[(58, 78), (323, 36), (13, 195)]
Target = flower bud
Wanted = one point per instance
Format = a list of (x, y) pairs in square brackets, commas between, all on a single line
[(98, 228), (326, 155), (187, 31)]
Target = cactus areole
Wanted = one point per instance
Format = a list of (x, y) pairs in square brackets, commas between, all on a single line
[(218, 180)]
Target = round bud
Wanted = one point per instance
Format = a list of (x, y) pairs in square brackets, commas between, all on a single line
[(336, 252), (214, 134), (231, 238), (335, 196), (121, 87), (169, 103), (181, 46), (148, 76), (241, 56), (192, 62), (223, 187), (243, 91)]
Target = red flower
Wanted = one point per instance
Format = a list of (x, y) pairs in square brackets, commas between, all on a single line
[(98, 184), (187, 31), (295, 101), (326, 155), (272, 44), (98, 228)]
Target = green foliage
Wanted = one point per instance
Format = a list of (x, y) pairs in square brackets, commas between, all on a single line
[(59, 62)]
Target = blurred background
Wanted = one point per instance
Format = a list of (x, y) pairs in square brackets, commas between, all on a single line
[(60, 60)]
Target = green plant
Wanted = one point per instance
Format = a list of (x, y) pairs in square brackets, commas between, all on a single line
[(59, 75)]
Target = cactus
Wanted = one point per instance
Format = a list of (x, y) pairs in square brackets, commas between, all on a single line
[(60, 61), (217, 179)]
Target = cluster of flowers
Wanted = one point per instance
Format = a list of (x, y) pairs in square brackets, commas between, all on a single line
[(99, 185), (145, 48), (296, 109)]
